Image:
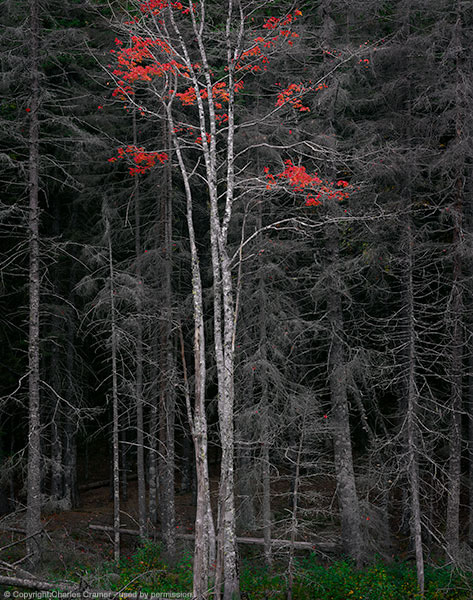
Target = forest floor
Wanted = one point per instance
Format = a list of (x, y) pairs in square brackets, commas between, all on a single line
[(70, 541)]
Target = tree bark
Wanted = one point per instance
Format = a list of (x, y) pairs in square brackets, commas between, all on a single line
[(140, 451), (340, 420), (294, 515), (167, 393), (452, 532), (412, 418), (33, 502), (115, 407), (204, 549)]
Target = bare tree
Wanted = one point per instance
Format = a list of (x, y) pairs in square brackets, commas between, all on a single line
[(33, 513)]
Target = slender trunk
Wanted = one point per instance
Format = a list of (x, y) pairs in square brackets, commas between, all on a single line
[(122, 441), (71, 499), (115, 408), (57, 488), (204, 549), (343, 453), (454, 464), (223, 339), (246, 489), (412, 426), (188, 467), (71, 425), (153, 466), (167, 394), (33, 503), (266, 476), (140, 451), (470, 449), (455, 442), (153, 438), (265, 426), (294, 516)]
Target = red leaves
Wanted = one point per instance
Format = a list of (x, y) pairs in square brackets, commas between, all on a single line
[(219, 94), (298, 177), (144, 160), (138, 63), (156, 6), (310, 183), (311, 201), (274, 22), (189, 97), (292, 95), (271, 23)]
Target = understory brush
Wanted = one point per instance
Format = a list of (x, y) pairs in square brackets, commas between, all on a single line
[(148, 571)]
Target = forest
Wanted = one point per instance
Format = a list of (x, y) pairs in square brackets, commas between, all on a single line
[(236, 261)]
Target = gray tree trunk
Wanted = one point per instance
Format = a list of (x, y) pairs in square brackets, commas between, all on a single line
[(33, 502), (115, 407), (340, 422), (57, 470), (167, 393), (412, 418), (452, 532), (153, 438), (204, 548), (140, 450), (470, 449), (455, 442)]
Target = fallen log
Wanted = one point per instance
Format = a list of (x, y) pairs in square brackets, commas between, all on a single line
[(84, 487), (321, 545), (77, 590)]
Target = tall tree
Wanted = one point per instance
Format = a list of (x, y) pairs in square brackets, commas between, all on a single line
[(33, 505)]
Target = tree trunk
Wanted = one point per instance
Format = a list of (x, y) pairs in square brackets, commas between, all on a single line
[(33, 503), (204, 549), (340, 422), (294, 515), (140, 450), (57, 469), (412, 418), (153, 439), (455, 442), (265, 425), (470, 449), (115, 407), (167, 393)]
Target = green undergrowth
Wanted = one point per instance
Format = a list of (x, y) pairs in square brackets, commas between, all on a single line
[(148, 571)]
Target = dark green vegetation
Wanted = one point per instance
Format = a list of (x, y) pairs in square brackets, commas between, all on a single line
[(148, 571)]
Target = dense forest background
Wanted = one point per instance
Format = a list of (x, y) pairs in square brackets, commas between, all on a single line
[(257, 294)]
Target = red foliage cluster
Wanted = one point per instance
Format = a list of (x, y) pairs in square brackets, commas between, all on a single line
[(144, 160), (274, 22), (138, 63), (310, 183), (156, 6), (198, 140), (256, 50), (292, 95), (219, 93)]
